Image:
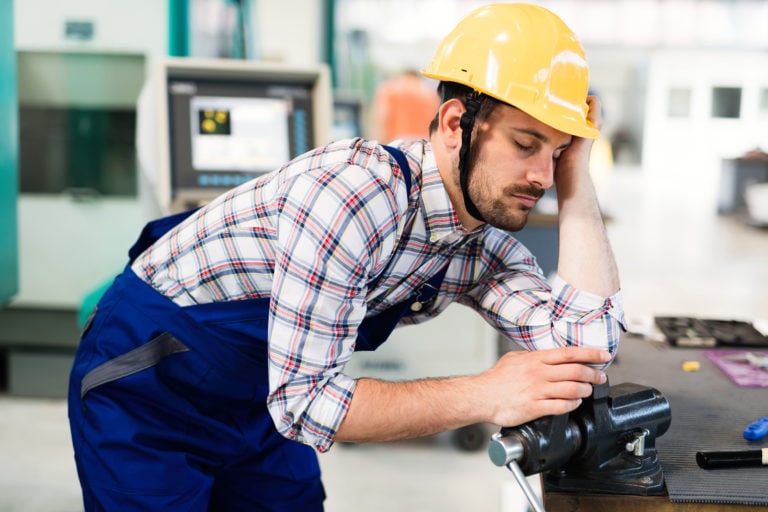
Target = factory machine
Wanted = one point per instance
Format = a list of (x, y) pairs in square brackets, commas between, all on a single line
[(208, 125)]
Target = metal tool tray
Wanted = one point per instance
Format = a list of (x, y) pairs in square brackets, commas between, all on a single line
[(682, 331)]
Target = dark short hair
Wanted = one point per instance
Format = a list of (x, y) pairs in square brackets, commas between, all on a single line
[(451, 90)]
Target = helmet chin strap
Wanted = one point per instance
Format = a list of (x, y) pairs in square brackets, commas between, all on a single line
[(467, 122)]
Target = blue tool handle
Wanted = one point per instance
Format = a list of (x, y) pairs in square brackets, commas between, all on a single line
[(757, 430)]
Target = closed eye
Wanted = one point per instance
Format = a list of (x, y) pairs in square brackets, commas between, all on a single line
[(523, 147)]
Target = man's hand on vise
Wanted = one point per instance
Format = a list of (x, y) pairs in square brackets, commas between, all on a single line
[(523, 386)]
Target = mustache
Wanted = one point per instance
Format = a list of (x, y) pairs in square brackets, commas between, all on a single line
[(525, 190)]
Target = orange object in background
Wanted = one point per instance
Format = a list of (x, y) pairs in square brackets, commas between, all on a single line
[(403, 107)]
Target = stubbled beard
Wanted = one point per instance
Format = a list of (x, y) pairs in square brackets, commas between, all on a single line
[(500, 214), (496, 209)]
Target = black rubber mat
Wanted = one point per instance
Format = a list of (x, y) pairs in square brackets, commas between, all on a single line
[(709, 413)]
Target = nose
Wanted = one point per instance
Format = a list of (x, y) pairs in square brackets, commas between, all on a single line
[(542, 171)]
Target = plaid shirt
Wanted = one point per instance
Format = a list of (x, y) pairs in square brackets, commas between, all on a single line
[(334, 237)]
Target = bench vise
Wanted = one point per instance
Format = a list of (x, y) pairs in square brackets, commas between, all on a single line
[(606, 445)]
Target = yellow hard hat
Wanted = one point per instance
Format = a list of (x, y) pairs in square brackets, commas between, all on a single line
[(523, 55)]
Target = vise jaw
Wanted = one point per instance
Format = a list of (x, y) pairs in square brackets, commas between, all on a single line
[(607, 445)]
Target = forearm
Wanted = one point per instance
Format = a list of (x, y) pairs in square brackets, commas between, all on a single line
[(520, 386), (585, 258), (389, 411)]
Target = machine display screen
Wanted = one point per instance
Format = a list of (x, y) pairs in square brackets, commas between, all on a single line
[(240, 134), (226, 132)]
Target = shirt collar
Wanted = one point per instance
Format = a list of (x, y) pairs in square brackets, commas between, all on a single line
[(440, 218)]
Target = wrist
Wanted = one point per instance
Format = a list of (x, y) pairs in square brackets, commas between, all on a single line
[(478, 408)]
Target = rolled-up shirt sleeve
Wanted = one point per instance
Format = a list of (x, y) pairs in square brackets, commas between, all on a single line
[(537, 313), (584, 319), (544, 317), (322, 263)]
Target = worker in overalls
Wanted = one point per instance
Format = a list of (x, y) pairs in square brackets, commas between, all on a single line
[(212, 370)]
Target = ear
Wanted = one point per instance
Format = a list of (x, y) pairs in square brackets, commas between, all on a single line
[(449, 124)]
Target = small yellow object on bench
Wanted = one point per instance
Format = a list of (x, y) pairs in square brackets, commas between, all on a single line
[(691, 366)]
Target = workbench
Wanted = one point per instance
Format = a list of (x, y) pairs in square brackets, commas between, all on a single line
[(709, 412)]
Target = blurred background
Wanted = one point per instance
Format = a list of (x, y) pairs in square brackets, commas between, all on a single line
[(97, 103)]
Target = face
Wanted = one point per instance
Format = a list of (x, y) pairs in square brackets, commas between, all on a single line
[(511, 164)]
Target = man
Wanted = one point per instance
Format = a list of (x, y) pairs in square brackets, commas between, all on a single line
[(214, 365)]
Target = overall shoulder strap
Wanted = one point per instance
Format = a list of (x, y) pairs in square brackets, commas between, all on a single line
[(428, 291), (373, 331), (155, 229), (402, 161)]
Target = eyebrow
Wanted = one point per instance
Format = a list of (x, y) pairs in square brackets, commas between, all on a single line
[(540, 136)]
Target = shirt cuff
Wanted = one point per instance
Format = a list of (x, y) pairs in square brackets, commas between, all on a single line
[(583, 307), (318, 425)]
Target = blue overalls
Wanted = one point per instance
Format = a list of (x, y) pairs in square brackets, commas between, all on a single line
[(167, 403)]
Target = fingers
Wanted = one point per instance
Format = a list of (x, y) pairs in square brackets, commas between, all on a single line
[(574, 364), (559, 397), (566, 363), (575, 372), (566, 390), (558, 406), (595, 113), (575, 355), (527, 385)]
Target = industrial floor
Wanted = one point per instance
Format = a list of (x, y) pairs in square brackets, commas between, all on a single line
[(676, 257)]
